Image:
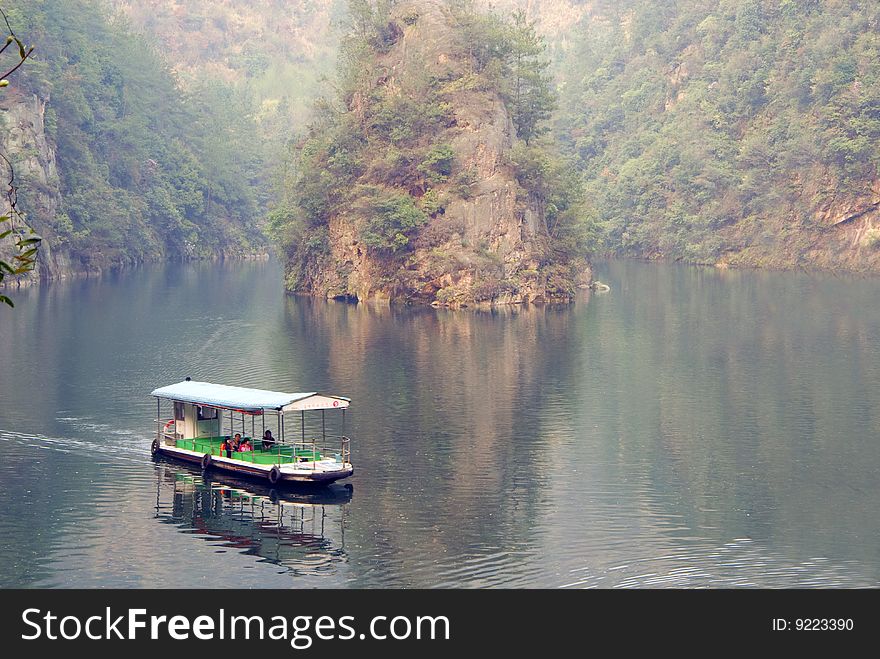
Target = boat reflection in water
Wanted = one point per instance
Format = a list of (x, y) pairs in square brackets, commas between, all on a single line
[(303, 531)]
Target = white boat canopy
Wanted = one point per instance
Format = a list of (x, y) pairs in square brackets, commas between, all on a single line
[(242, 399)]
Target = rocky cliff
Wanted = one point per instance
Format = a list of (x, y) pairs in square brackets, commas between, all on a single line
[(115, 165), (24, 141), (482, 238), (820, 227)]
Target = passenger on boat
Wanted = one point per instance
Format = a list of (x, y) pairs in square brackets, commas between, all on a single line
[(268, 440), (236, 442), (245, 445), (226, 447)]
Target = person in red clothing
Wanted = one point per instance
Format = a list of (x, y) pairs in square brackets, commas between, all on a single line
[(230, 445)]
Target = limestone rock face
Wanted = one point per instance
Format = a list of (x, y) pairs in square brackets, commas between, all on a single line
[(24, 141), (489, 244), (840, 230)]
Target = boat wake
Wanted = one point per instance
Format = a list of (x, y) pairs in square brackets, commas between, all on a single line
[(138, 451), (83, 424)]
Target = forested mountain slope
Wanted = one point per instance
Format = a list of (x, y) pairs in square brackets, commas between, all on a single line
[(115, 163), (739, 132), (272, 54)]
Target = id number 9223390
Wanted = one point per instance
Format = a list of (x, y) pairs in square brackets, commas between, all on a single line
[(813, 624)]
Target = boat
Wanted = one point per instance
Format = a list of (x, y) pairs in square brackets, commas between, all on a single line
[(205, 416)]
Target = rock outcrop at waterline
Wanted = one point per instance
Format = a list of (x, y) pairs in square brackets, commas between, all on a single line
[(482, 239)]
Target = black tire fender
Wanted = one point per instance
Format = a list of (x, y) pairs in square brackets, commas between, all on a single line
[(154, 447), (274, 475), (206, 461)]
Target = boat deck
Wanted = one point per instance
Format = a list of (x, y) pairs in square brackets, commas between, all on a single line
[(278, 454)]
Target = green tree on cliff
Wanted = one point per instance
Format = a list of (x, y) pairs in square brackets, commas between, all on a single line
[(511, 55), (529, 92)]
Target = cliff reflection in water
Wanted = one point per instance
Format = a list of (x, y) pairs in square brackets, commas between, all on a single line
[(457, 417), (691, 415), (304, 532)]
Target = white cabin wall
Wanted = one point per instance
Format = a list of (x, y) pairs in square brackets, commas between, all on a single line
[(189, 421), (192, 427)]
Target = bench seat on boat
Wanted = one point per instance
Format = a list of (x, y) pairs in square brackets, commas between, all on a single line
[(283, 454)]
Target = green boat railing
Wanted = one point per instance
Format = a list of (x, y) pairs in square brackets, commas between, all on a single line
[(303, 453)]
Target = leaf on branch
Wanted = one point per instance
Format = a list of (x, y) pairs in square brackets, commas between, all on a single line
[(6, 300)]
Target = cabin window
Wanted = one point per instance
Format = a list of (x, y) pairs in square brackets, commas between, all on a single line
[(178, 411), (206, 413)]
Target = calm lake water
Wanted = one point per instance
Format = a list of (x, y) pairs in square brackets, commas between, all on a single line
[(690, 428)]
